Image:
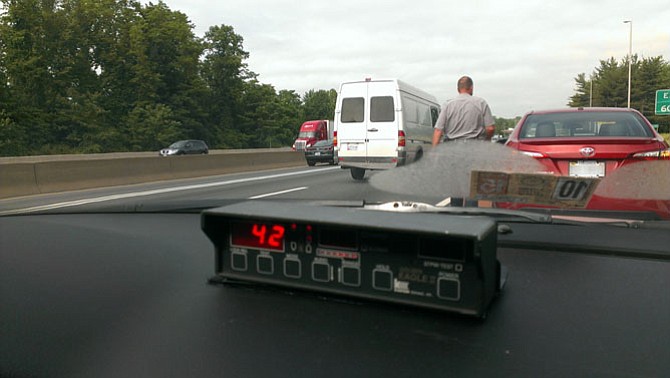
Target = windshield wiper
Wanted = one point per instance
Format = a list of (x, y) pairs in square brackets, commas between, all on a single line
[(577, 217), (419, 207), (190, 206)]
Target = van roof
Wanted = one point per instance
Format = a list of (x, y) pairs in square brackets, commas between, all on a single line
[(401, 85)]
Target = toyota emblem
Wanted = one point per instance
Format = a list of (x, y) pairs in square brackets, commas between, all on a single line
[(587, 151)]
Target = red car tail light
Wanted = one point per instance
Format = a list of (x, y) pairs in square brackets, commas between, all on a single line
[(654, 155), (537, 155), (401, 139), (335, 138)]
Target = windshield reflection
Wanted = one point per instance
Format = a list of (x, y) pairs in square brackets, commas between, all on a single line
[(445, 172), (643, 180)]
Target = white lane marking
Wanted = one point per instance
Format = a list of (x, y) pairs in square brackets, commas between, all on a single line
[(278, 193), (157, 191)]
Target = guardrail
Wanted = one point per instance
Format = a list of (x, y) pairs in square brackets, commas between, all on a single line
[(23, 176)]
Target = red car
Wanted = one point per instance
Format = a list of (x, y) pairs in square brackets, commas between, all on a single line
[(594, 142)]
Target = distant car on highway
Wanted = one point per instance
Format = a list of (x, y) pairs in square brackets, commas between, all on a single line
[(185, 147), (322, 151), (588, 141)]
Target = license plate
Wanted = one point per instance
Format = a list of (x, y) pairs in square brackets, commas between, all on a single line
[(586, 169), (317, 153), (352, 147)]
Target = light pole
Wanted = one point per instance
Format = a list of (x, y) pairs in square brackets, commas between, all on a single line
[(630, 52)]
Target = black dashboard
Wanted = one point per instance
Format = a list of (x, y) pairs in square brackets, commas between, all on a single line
[(111, 295)]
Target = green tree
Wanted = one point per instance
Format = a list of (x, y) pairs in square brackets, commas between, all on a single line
[(610, 86), (108, 24), (111, 75), (82, 116), (54, 73), (165, 67), (226, 74), (651, 75), (290, 116), (319, 104), (11, 142), (582, 97), (256, 119), (269, 119), (154, 126), (32, 34)]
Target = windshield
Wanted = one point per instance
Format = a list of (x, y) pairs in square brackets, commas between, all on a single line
[(605, 157), (476, 188), (449, 172), (446, 171)]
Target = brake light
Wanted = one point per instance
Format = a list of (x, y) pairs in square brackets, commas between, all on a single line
[(401, 138), (537, 155), (654, 155), (335, 138)]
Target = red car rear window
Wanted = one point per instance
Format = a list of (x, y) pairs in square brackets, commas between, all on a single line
[(585, 124)]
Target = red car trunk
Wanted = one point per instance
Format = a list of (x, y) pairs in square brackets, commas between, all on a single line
[(557, 154), (595, 142)]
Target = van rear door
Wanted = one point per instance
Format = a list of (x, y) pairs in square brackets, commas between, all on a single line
[(368, 125), (382, 123), (351, 131)]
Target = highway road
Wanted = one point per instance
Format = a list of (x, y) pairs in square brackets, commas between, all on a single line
[(305, 183)]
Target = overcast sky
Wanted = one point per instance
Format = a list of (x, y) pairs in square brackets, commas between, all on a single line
[(522, 55)]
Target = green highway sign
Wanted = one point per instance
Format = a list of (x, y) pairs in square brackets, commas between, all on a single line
[(663, 102)]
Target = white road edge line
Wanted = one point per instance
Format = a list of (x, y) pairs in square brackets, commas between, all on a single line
[(157, 191), (278, 193)]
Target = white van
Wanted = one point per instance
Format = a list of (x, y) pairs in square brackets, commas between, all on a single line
[(381, 124)]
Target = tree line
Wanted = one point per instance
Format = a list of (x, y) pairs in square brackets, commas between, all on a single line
[(607, 85), (81, 76), (84, 76)]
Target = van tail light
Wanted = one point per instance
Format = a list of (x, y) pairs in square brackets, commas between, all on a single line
[(654, 155), (401, 139), (335, 138)]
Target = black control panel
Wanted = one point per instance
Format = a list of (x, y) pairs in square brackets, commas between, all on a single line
[(437, 261)]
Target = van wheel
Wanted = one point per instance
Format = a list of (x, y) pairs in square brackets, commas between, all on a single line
[(357, 173), (311, 163)]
